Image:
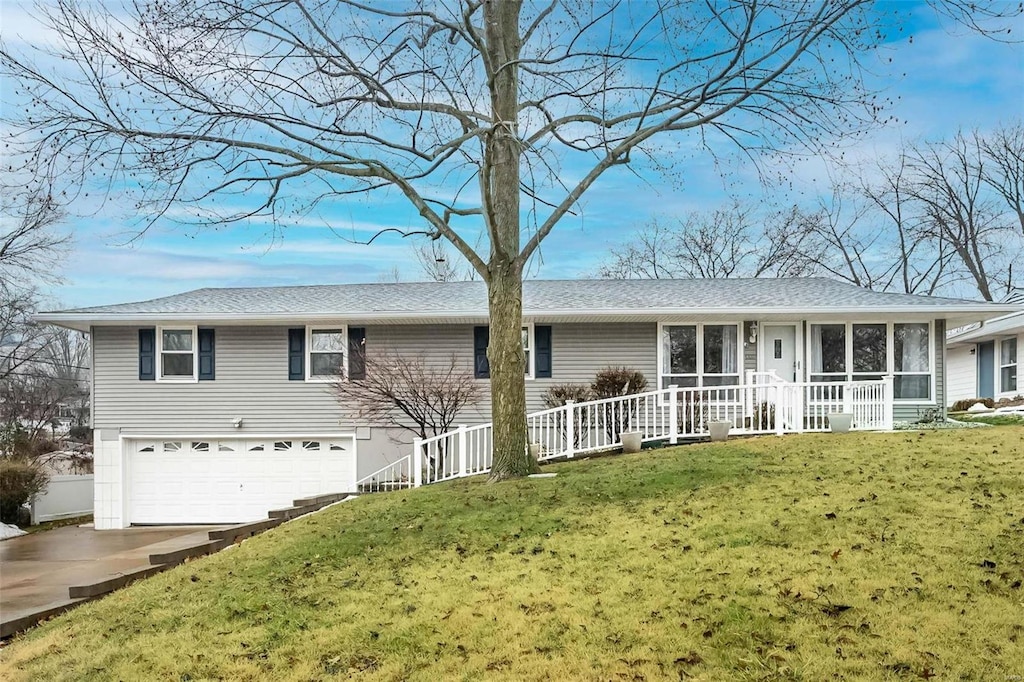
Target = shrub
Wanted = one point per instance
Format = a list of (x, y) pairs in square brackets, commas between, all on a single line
[(612, 382), (557, 395), (15, 441), (21, 479), (964, 405), (80, 434)]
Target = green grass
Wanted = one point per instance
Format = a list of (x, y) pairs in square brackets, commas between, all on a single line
[(857, 557)]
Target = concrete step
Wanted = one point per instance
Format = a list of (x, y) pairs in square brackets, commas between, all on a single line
[(13, 623), (233, 534), (329, 498), (114, 582), (179, 556)]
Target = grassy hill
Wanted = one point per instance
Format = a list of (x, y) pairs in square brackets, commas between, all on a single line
[(862, 556)]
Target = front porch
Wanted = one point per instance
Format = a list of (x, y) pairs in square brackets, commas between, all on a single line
[(763, 404)]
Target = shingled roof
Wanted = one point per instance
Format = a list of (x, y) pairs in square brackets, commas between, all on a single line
[(601, 297)]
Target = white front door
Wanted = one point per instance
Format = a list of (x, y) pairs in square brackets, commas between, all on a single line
[(779, 343)]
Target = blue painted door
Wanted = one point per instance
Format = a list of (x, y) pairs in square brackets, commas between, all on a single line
[(986, 369)]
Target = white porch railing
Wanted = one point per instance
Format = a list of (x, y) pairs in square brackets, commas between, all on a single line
[(394, 476), (764, 405)]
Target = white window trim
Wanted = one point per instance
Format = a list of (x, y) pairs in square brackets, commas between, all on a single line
[(1003, 391), (531, 340), (700, 374), (160, 354), (308, 351), (890, 355)]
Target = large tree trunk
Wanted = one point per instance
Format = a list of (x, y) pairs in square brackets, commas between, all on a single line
[(500, 188), (508, 390)]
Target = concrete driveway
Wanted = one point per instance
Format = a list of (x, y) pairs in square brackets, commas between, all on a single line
[(36, 570)]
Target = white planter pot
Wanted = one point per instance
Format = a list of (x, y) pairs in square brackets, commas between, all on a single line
[(631, 441), (534, 449), (840, 422), (719, 430)]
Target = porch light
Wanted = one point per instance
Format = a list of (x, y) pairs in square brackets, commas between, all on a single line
[(753, 332)]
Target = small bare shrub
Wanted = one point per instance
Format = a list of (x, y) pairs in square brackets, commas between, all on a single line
[(558, 395), (614, 382)]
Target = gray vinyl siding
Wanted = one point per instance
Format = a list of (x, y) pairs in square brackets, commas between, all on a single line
[(911, 412), (578, 351), (252, 377)]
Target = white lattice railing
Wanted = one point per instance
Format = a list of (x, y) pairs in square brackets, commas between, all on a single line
[(765, 404)]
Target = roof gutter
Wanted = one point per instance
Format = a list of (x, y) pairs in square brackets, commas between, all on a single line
[(79, 320)]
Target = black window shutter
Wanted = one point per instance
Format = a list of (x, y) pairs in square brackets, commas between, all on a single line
[(481, 367), (357, 352), (542, 361), (147, 355), (297, 354), (206, 355)]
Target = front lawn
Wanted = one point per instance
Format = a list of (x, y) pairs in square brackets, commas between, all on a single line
[(857, 557)]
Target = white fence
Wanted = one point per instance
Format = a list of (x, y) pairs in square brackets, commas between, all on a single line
[(64, 497), (764, 405)]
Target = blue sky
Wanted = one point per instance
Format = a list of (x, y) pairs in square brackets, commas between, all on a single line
[(940, 81)]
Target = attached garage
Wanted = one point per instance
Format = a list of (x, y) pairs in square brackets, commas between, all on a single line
[(230, 480)]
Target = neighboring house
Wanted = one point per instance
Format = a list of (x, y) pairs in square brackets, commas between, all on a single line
[(213, 405), (984, 359)]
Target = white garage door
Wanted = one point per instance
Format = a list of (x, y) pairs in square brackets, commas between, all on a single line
[(231, 480)]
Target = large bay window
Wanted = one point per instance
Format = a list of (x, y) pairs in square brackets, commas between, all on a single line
[(700, 355), (1007, 365), (861, 352)]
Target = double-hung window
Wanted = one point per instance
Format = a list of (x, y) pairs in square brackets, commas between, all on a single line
[(533, 344), (326, 349), (527, 334), (1007, 365), (700, 355), (911, 361), (177, 353)]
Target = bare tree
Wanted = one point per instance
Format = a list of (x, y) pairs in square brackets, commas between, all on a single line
[(1003, 158), (409, 392), (191, 100), (51, 383), (20, 338), (951, 183), (725, 242), (439, 266), (30, 243)]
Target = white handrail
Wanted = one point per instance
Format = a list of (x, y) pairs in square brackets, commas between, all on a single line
[(766, 404), (389, 477)]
